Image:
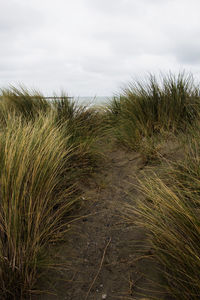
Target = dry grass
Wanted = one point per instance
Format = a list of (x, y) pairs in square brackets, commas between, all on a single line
[(22, 102), (45, 149), (153, 107), (170, 212), (33, 160)]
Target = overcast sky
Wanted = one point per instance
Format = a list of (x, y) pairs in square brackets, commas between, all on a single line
[(93, 47)]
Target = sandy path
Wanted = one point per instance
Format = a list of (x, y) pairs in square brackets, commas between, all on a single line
[(105, 248)]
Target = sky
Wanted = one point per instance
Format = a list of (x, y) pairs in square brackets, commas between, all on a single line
[(95, 47)]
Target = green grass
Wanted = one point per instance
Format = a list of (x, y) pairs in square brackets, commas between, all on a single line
[(83, 125), (145, 117), (86, 127), (170, 212), (153, 107), (22, 102), (49, 148), (46, 149), (33, 201)]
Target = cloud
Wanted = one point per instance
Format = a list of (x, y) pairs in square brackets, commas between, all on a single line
[(17, 17), (91, 46)]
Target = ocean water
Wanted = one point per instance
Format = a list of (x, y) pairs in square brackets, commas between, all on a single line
[(93, 100)]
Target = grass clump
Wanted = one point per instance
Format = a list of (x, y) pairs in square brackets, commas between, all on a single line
[(45, 149), (22, 102), (170, 212), (86, 127), (154, 107), (33, 159), (82, 125)]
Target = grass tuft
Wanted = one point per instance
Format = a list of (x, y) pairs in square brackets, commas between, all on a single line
[(170, 212), (22, 102), (144, 109), (32, 163)]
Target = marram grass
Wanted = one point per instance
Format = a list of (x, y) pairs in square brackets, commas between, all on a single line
[(170, 212), (86, 127), (23, 102), (46, 148), (144, 109), (33, 158)]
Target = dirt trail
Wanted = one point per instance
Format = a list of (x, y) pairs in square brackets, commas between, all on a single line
[(105, 247)]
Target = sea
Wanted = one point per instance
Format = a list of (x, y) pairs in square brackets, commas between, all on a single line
[(91, 101)]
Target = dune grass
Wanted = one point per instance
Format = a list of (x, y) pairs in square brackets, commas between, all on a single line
[(170, 211), (83, 125), (153, 107), (22, 102), (86, 127), (45, 149), (141, 118), (48, 148), (33, 201), (171, 218)]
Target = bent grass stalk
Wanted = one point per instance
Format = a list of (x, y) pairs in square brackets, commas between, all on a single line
[(33, 159), (170, 213)]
